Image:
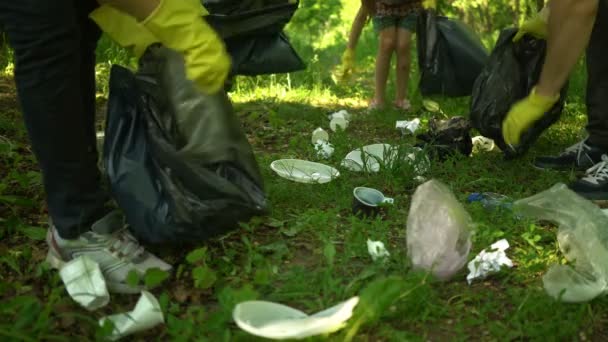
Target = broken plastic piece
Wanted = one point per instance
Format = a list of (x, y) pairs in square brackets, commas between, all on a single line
[(85, 283), (340, 114), (582, 238), (489, 262), (279, 322), (324, 149), (438, 231), (481, 143), (319, 134), (405, 126), (377, 250), (146, 315), (338, 123)]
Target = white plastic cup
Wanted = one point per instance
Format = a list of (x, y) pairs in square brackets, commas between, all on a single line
[(319, 134), (338, 123)]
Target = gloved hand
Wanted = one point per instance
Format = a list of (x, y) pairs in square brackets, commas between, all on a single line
[(536, 27), (346, 68), (429, 4), (178, 25), (523, 114), (123, 29)]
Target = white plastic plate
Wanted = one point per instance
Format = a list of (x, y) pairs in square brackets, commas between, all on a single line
[(304, 171)]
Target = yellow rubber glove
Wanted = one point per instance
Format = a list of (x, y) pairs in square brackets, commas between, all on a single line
[(536, 27), (523, 114), (123, 29), (178, 25), (429, 4), (347, 66)]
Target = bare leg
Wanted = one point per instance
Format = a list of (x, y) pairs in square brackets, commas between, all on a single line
[(570, 26), (386, 46), (404, 40)]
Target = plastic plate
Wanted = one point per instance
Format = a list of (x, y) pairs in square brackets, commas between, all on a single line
[(304, 171)]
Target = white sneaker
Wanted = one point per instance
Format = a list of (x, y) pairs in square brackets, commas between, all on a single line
[(111, 245)]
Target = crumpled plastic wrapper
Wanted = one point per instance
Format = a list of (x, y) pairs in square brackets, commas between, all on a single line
[(583, 239), (408, 126), (324, 149), (85, 283), (377, 250), (486, 263), (146, 315), (438, 231)]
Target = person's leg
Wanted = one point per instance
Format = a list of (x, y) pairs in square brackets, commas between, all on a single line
[(387, 41), (595, 184), (54, 73), (404, 42), (588, 152), (597, 81)]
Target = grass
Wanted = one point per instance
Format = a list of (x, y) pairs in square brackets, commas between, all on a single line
[(310, 252)]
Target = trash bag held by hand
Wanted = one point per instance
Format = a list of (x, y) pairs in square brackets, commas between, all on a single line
[(438, 231), (447, 137), (582, 238), (510, 74), (177, 161), (450, 56)]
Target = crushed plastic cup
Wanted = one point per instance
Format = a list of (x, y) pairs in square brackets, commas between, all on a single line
[(408, 126), (481, 143), (340, 114), (489, 262), (377, 250), (338, 123), (324, 149), (85, 283), (319, 134), (278, 322), (146, 315)]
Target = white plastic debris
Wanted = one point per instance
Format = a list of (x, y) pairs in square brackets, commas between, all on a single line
[(279, 322), (340, 114), (405, 126), (438, 231), (146, 315), (489, 262), (319, 134), (85, 283), (377, 250), (481, 143), (324, 149), (338, 123)]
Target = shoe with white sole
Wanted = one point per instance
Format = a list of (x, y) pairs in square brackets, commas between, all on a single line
[(111, 245)]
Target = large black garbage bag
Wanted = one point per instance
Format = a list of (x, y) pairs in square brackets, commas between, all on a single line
[(177, 161), (510, 74), (450, 56), (253, 33)]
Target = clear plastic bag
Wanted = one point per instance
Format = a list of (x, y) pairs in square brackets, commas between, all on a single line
[(582, 238), (438, 231)]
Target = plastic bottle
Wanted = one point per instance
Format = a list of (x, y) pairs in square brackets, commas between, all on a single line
[(490, 200)]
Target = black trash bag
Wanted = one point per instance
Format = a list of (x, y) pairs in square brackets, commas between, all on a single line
[(177, 161), (512, 71), (263, 55), (446, 138), (253, 34), (450, 56)]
